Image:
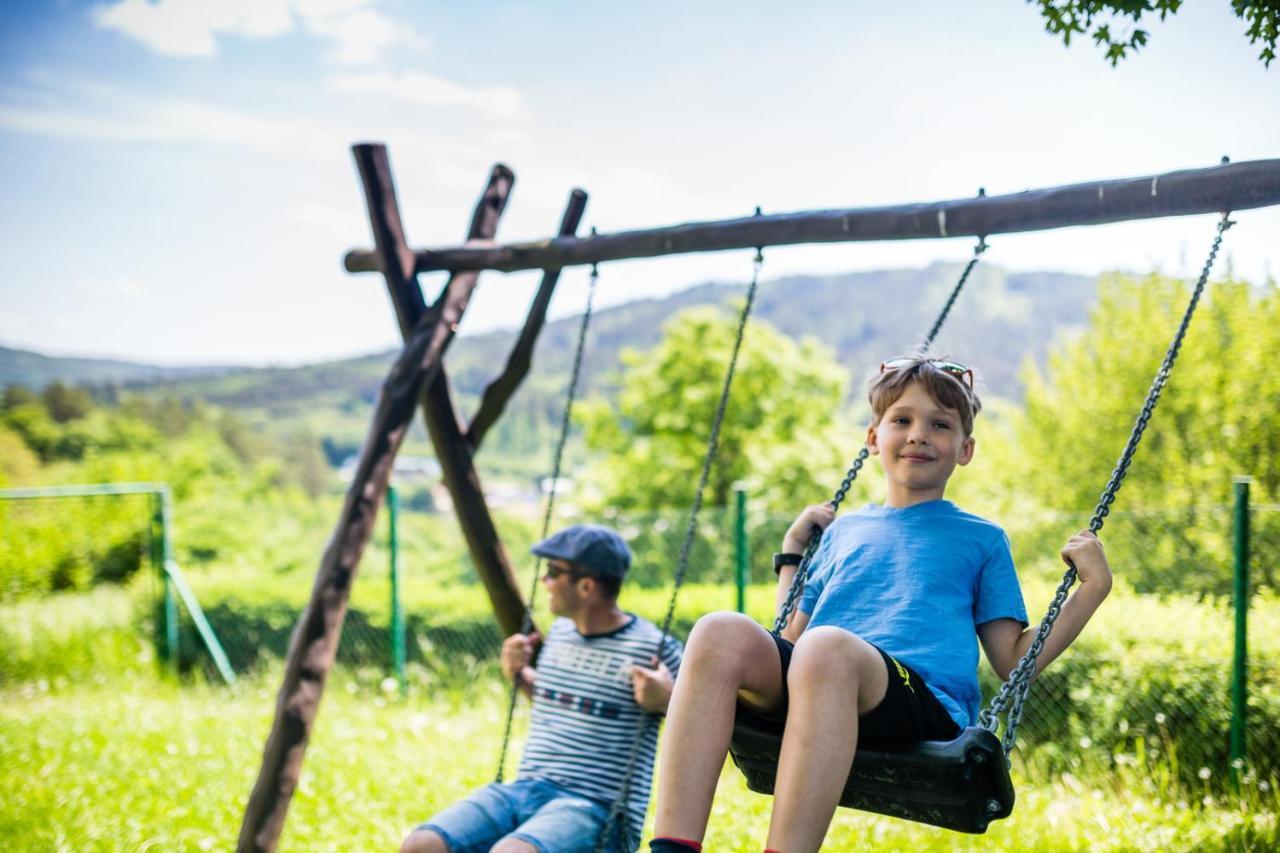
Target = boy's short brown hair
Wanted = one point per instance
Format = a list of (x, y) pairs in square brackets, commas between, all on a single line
[(946, 389)]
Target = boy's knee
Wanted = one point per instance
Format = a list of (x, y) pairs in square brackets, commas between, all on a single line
[(716, 630), (423, 841), (830, 655), (719, 640), (513, 845)]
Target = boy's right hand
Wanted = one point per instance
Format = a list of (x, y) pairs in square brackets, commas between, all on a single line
[(517, 653), (801, 530)]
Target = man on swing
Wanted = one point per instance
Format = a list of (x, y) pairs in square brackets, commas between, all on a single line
[(594, 683)]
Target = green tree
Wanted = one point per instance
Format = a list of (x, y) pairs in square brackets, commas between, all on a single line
[(17, 395), (18, 464), (780, 435), (66, 402), (1096, 18), (1216, 419)]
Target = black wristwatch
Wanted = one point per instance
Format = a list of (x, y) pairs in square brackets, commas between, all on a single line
[(785, 559)]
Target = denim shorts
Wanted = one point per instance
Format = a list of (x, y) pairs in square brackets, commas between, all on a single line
[(537, 812)]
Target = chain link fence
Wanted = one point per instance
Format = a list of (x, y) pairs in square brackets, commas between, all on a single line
[(1148, 683)]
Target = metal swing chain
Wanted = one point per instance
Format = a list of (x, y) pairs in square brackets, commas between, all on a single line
[(1013, 692), (686, 547), (802, 572), (526, 624)]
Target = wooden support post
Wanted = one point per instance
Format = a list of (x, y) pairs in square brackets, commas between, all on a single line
[(315, 638), (499, 391), (452, 449)]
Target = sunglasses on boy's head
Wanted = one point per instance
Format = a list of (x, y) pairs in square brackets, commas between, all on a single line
[(959, 371)]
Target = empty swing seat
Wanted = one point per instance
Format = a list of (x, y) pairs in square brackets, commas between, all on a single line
[(961, 784)]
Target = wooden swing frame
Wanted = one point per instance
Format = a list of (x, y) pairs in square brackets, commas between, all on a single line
[(418, 378)]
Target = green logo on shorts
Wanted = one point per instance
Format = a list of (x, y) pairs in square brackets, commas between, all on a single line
[(906, 676)]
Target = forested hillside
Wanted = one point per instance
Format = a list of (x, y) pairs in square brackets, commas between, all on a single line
[(1001, 320)]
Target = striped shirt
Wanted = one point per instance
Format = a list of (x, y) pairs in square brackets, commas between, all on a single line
[(585, 716)]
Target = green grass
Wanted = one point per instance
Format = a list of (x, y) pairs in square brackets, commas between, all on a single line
[(147, 765), (97, 752)]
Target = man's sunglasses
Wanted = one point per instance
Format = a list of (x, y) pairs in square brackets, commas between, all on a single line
[(552, 572), (959, 371)]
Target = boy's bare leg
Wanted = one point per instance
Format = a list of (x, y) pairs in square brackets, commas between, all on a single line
[(834, 677), (728, 657)]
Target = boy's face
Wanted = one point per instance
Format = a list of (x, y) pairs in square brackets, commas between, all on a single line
[(919, 442)]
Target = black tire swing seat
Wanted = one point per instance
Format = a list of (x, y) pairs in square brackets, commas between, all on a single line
[(962, 784)]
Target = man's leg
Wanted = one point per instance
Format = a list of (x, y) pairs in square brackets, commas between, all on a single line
[(834, 678), (423, 841), (473, 824), (566, 823), (728, 658)]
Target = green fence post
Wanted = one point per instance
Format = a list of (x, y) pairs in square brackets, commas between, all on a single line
[(397, 611), (740, 545), (170, 599), (155, 527), (1239, 670)]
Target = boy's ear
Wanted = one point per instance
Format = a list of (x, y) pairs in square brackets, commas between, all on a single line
[(966, 451), (873, 441)]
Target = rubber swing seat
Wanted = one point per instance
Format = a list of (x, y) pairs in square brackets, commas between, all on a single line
[(961, 784)]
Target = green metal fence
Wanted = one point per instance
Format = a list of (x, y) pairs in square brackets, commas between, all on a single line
[(176, 599), (1163, 674)]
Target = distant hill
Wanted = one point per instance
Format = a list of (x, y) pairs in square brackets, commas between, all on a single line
[(1001, 320), (21, 367)]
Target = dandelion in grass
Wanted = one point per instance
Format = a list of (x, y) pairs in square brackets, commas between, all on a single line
[(1237, 763), (1264, 785), (389, 684), (1207, 801), (1086, 742), (1205, 773)]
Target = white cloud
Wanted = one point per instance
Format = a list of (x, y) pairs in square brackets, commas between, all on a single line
[(191, 28), (338, 224), (119, 285), (421, 88), (164, 120), (360, 35)]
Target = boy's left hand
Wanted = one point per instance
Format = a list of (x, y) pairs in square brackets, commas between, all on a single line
[(652, 687), (1084, 551)]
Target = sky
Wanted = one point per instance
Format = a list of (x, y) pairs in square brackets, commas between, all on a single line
[(178, 185)]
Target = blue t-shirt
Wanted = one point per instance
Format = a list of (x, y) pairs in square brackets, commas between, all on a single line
[(917, 581)]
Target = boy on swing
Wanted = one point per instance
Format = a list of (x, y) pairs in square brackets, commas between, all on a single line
[(884, 641)]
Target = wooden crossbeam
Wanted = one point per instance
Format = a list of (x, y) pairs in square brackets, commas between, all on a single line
[(1234, 186)]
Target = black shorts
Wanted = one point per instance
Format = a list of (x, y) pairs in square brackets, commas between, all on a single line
[(908, 712)]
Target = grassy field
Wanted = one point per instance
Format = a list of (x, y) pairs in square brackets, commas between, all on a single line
[(149, 765), (99, 752)]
